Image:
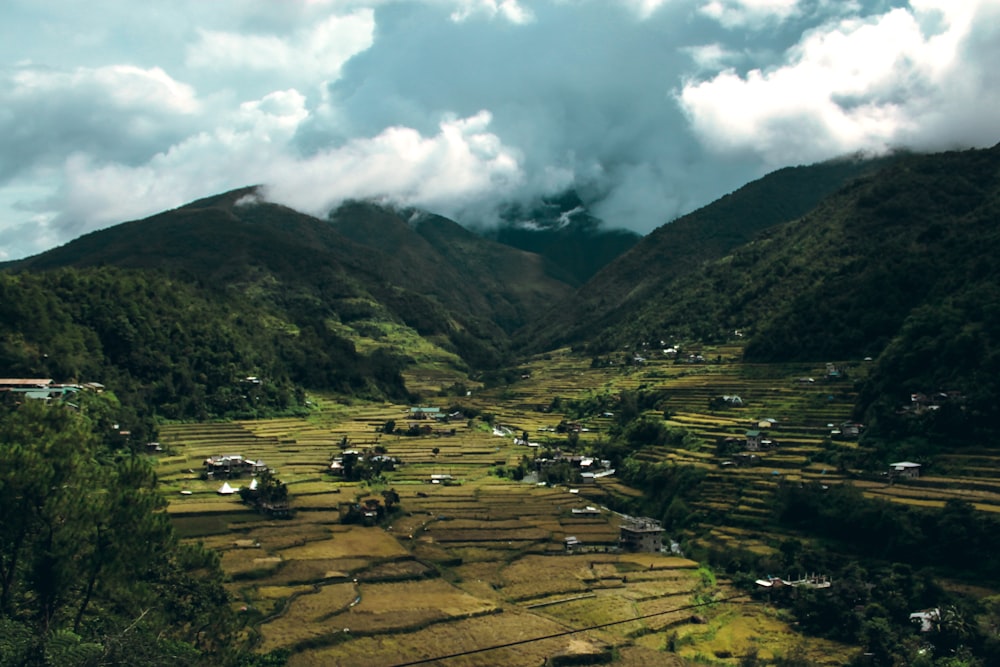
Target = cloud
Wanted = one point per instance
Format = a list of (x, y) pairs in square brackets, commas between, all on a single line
[(511, 10), (860, 83), (648, 108), (313, 54), (462, 163), (117, 112), (749, 13)]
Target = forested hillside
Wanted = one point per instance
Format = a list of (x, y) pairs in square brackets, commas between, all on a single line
[(173, 351), (367, 266), (643, 278)]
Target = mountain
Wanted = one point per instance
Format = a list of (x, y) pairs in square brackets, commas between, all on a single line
[(898, 265), (178, 310), (575, 244), (465, 293), (890, 258), (644, 274)]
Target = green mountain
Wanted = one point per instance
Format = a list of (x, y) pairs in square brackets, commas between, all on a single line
[(466, 292), (643, 276), (897, 265), (179, 308)]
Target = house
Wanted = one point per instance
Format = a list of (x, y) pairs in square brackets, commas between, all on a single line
[(232, 465), (641, 534), (24, 383), (425, 413), (753, 440), (847, 431), (927, 619), (817, 581), (905, 469)]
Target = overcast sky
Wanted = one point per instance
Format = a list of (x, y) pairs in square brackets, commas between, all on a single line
[(112, 110)]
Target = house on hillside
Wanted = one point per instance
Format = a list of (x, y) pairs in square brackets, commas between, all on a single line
[(425, 413), (847, 431), (754, 440), (641, 534), (232, 465), (904, 470)]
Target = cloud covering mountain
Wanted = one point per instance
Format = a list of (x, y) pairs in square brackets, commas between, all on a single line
[(112, 110)]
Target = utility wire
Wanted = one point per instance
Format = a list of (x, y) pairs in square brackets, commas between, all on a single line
[(424, 661)]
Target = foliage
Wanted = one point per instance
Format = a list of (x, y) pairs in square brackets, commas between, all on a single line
[(270, 491), (90, 570), (890, 531), (166, 346)]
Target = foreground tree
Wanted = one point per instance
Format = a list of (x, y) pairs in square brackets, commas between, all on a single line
[(90, 570)]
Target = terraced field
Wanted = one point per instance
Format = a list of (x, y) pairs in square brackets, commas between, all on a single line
[(481, 561)]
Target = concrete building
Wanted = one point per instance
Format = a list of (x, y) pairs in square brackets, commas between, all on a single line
[(641, 534)]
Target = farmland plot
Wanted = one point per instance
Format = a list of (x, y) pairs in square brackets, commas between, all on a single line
[(469, 565)]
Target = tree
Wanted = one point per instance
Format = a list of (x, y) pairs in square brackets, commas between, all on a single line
[(391, 498), (90, 569)]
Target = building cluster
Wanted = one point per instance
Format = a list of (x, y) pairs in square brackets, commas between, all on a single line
[(44, 389), (231, 465), (591, 469)]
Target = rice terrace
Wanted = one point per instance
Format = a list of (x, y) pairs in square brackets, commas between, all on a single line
[(474, 566)]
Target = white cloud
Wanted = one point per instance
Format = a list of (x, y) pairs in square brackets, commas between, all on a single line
[(510, 10), (712, 57), (645, 8), (648, 107), (749, 13), (853, 84), (461, 163), (318, 50), (118, 112)]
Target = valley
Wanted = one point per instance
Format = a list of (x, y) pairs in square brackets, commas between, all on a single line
[(451, 437), (480, 560)]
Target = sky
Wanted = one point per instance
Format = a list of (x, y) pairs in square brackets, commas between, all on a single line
[(112, 110)]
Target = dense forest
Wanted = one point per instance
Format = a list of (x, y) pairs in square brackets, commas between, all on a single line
[(171, 351)]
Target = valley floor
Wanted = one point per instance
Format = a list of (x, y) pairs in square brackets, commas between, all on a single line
[(480, 561)]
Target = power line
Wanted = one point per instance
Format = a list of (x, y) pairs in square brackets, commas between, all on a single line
[(424, 661)]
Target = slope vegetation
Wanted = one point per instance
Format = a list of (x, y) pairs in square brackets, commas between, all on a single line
[(645, 275)]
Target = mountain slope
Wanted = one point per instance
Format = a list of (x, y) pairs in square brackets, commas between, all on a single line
[(646, 271), (366, 263), (898, 266), (575, 244)]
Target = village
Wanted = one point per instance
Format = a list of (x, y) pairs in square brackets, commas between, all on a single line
[(393, 493)]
